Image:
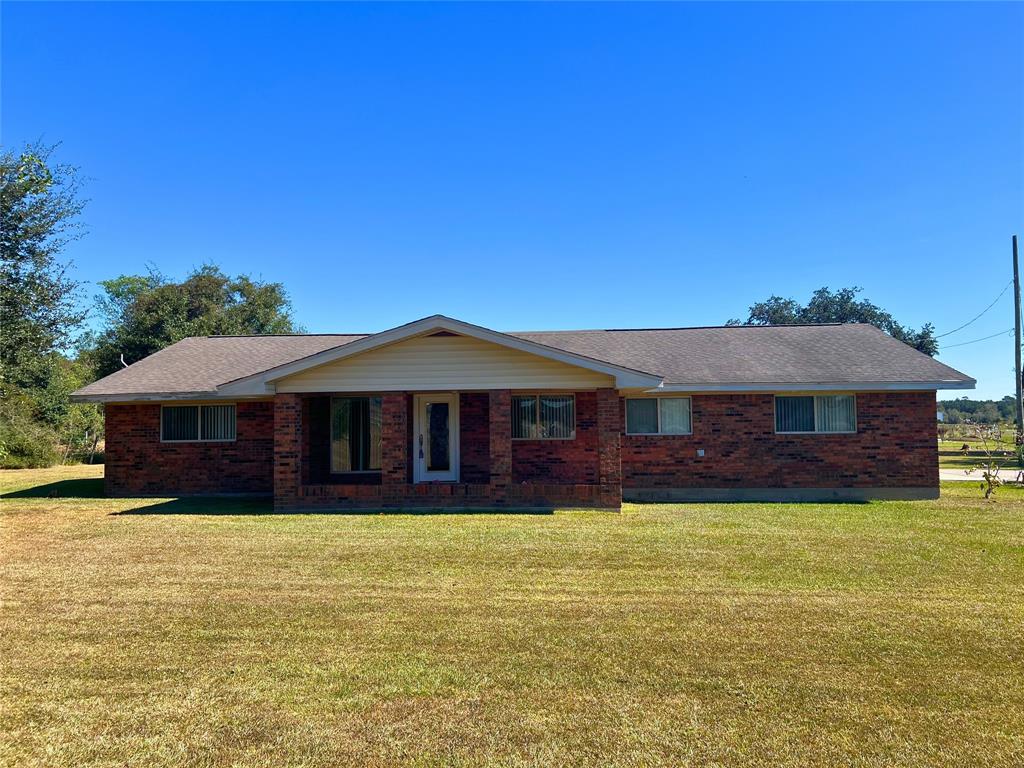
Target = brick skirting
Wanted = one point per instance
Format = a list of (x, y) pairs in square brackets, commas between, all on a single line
[(450, 495)]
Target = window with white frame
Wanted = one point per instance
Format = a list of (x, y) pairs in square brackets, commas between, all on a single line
[(815, 413), (658, 416), (197, 423), (543, 417)]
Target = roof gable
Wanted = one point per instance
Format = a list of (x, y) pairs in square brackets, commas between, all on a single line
[(263, 382), (442, 362)]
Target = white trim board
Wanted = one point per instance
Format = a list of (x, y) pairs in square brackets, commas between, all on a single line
[(837, 386)]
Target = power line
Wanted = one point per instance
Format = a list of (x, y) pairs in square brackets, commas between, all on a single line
[(975, 341), (986, 309)]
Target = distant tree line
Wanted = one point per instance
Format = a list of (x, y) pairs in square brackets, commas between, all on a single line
[(963, 410)]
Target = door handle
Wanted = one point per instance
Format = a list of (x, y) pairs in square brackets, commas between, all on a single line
[(421, 446)]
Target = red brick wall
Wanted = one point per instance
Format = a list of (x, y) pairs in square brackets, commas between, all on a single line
[(287, 445), (445, 495), (894, 447), (138, 464), (394, 435), (474, 437), (562, 461), (499, 432), (316, 439)]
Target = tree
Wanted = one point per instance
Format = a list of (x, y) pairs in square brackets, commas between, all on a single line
[(842, 306), (39, 313), (986, 412), (39, 208), (145, 313)]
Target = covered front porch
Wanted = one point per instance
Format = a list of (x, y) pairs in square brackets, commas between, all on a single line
[(453, 449)]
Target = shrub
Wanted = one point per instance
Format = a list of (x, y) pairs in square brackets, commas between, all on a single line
[(23, 441)]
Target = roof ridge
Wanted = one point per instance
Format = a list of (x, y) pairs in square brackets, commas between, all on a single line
[(265, 335), (562, 330), (691, 328)]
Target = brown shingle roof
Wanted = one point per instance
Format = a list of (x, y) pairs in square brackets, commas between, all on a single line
[(202, 363), (844, 355), (792, 354)]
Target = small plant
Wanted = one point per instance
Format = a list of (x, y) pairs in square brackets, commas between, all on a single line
[(988, 438)]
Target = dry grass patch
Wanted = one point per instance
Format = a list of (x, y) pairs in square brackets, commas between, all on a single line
[(213, 633)]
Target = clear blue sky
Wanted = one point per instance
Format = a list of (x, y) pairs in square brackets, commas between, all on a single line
[(544, 166)]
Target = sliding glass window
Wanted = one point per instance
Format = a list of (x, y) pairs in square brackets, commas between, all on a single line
[(197, 423), (815, 413), (658, 416)]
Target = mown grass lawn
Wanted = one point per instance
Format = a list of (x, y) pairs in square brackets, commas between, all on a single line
[(954, 459), (979, 452), (211, 633)]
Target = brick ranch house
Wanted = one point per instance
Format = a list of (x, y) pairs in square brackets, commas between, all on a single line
[(441, 413)]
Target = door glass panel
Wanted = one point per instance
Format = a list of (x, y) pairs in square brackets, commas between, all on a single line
[(437, 439)]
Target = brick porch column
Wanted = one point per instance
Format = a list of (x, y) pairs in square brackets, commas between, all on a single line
[(287, 450), (609, 447), (500, 417), (394, 438)]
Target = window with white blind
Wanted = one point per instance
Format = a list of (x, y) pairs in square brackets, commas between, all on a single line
[(543, 417), (815, 413), (197, 423), (658, 416)]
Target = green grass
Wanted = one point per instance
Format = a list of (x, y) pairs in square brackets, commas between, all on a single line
[(953, 459), (1003, 451), (214, 633)]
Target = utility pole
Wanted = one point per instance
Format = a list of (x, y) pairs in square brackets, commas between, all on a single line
[(1016, 347)]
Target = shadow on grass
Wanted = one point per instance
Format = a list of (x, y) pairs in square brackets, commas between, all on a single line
[(202, 505), (92, 488), (265, 506), (80, 488)]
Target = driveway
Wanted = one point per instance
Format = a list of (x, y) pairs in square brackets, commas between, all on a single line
[(1007, 473)]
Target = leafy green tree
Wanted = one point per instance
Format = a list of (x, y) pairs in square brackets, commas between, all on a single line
[(39, 313), (145, 313), (842, 306)]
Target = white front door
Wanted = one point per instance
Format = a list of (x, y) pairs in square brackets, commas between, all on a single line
[(435, 438)]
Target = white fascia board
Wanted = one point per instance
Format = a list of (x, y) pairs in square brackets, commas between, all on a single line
[(848, 386), (262, 383)]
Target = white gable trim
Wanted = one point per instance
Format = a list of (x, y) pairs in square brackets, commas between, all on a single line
[(263, 383)]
